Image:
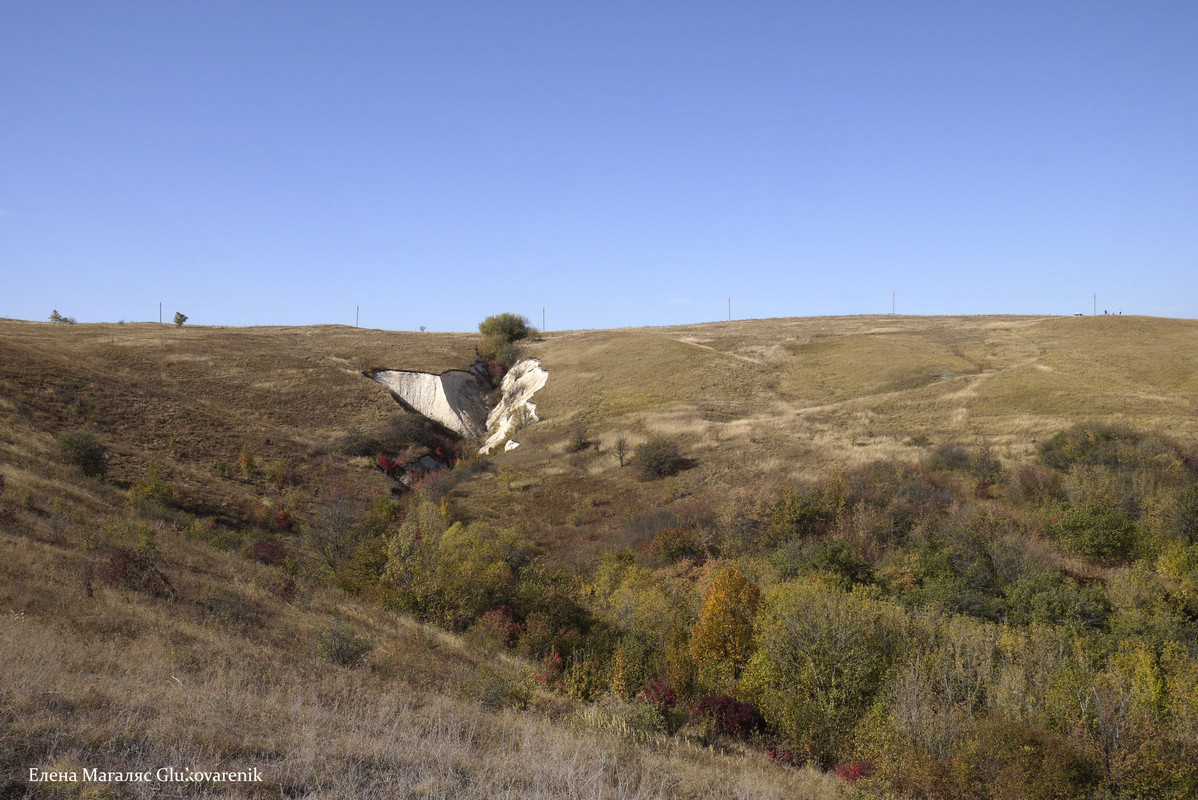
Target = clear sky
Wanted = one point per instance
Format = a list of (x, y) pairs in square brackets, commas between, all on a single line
[(617, 163)]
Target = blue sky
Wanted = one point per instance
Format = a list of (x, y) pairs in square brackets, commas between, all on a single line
[(617, 163)]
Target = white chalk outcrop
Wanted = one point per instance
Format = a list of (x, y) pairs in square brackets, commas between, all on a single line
[(454, 398), (515, 409)]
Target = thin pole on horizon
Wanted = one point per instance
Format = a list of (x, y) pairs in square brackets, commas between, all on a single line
[(892, 303), (159, 312), (729, 309), (1096, 304), (542, 319), (357, 310)]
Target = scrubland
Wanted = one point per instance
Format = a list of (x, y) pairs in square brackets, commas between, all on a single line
[(893, 557)]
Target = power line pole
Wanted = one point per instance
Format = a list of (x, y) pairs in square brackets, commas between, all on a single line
[(1096, 304), (159, 312), (892, 305), (542, 319), (729, 309)]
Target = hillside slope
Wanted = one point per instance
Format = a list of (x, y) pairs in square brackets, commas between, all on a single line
[(200, 601)]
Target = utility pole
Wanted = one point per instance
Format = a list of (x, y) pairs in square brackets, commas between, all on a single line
[(892, 306), (729, 309), (1096, 304), (542, 319), (357, 310), (159, 312)]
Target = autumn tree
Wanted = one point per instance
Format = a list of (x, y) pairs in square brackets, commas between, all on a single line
[(722, 639)]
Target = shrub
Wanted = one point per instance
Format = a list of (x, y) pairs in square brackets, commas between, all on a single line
[(56, 317), (499, 353), (578, 441), (802, 513), (278, 473), (1095, 530), (728, 716), (495, 688), (180, 318), (657, 693), (154, 492), (340, 644), (853, 771), (671, 544), (453, 574), (950, 456), (267, 552), (821, 659), (657, 458), (506, 326), (83, 451), (282, 587), (135, 570), (283, 520), (497, 628), (584, 679)]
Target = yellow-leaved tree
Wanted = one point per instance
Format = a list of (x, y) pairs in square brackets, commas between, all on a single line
[(722, 639)]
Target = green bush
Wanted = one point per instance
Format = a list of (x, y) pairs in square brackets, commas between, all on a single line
[(657, 458), (578, 440), (452, 574), (1095, 530), (498, 350), (342, 645), (495, 687), (507, 327), (180, 318), (821, 659), (802, 513), (83, 451)]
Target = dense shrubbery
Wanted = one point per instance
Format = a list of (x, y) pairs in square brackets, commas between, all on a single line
[(83, 451), (453, 573), (921, 637), (657, 457)]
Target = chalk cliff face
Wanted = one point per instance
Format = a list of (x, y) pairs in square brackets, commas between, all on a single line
[(515, 410), (455, 398)]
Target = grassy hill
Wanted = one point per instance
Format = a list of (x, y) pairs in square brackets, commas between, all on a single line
[(183, 608)]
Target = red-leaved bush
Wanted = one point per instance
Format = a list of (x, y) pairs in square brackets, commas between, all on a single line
[(549, 671), (730, 717), (853, 771), (267, 552), (782, 755), (282, 520), (283, 587), (501, 622), (657, 693), (126, 568)]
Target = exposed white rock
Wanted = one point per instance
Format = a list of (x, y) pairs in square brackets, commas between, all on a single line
[(515, 409), (454, 398)]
